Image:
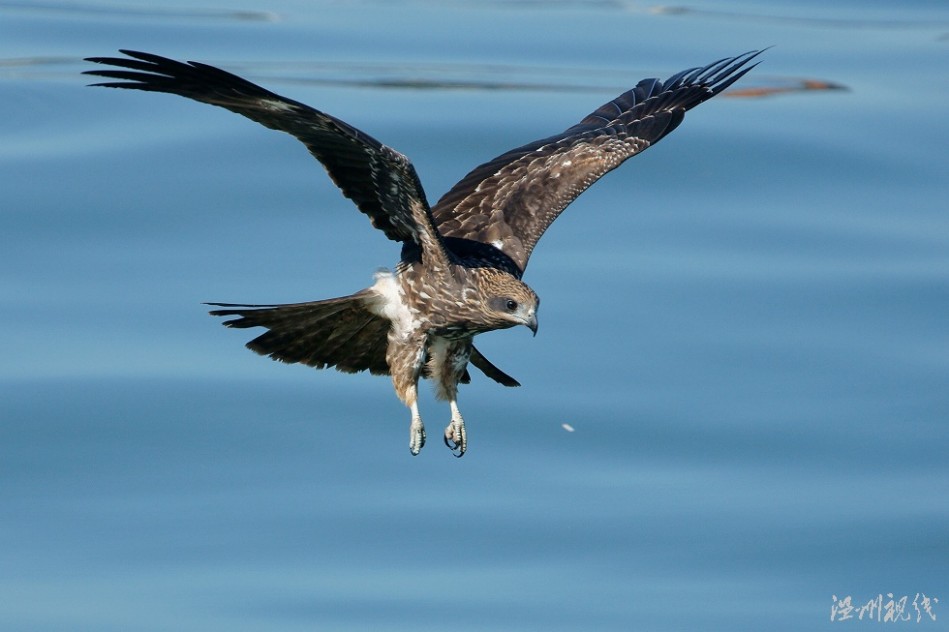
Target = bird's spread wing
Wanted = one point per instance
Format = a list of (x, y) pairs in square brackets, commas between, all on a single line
[(510, 201), (340, 332), (381, 181)]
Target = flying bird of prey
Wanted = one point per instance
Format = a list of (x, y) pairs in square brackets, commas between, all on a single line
[(462, 259)]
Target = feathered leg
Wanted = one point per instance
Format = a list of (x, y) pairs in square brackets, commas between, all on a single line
[(405, 357), (448, 360)]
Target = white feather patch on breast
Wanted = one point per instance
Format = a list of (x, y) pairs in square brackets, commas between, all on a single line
[(392, 304)]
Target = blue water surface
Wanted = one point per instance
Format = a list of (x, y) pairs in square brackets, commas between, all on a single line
[(744, 329)]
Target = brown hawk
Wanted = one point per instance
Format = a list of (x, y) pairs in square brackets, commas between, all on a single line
[(463, 258)]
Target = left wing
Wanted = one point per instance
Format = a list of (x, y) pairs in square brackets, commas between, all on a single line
[(510, 201), (340, 332), (381, 181)]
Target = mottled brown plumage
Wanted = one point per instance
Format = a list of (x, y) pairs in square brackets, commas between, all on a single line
[(462, 260)]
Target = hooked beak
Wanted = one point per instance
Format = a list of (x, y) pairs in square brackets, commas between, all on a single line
[(532, 323)]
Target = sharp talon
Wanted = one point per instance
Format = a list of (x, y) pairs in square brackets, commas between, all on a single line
[(416, 437), (456, 438)]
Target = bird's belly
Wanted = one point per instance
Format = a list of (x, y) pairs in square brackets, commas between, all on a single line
[(447, 360), (454, 332)]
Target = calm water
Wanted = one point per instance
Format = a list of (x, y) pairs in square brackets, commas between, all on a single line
[(746, 327)]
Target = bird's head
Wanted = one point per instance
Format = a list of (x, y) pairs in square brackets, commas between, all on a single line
[(510, 302)]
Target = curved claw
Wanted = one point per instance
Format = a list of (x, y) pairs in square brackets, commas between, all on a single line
[(416, 436), (456, 437)]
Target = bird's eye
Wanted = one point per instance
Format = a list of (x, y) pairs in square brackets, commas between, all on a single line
[(511, 305)]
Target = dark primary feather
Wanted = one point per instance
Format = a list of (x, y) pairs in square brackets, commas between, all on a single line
[(511, 200), (489, 369), (381, 181)]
